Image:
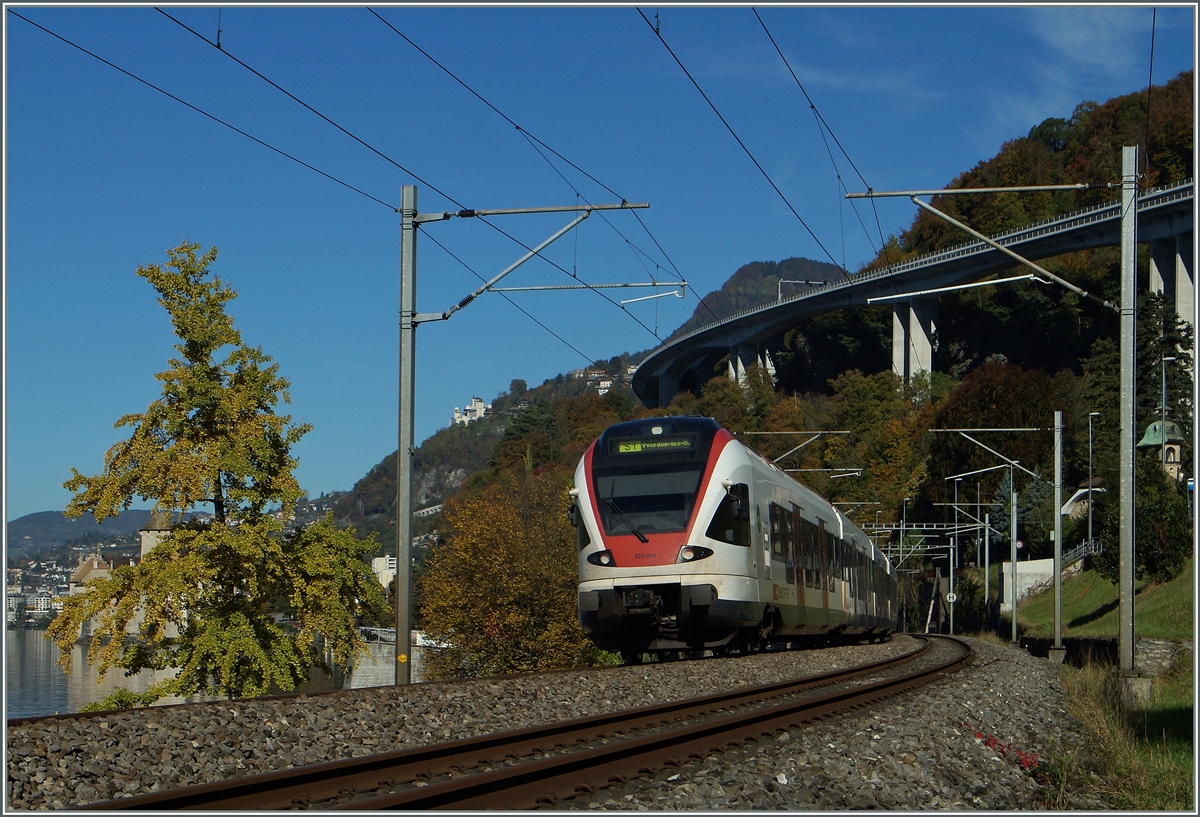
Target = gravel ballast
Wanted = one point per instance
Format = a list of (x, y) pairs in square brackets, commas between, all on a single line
[(962, 743)]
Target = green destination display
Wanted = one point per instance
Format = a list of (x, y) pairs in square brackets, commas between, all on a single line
[(652, 446)]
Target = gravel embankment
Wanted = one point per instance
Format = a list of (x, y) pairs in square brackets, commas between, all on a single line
[(919, 751), (968, 742)]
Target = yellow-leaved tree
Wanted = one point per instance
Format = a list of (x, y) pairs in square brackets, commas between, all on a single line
[(500, 590), (207, 600)]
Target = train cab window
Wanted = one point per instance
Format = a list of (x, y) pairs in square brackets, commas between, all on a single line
[(731, 522), (641, 503)]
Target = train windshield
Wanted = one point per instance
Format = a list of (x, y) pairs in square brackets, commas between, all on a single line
[(646, 474), (641, 503)]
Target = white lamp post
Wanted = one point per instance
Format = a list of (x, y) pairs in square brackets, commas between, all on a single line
[(1091, 416)]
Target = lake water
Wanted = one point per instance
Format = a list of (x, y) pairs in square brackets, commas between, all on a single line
[(36, 685)]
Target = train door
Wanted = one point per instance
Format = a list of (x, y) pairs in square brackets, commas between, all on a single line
[(844, 575), (811, 562), (798, 555), (761, 547), (775, 517)]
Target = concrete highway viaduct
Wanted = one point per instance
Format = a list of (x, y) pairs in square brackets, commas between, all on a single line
[(1166, 222)]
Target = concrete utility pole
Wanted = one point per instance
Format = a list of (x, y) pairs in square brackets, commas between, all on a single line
[(1126, 452), (404, 450), (409, 320)]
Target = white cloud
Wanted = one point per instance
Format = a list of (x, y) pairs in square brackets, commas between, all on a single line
[(1104, 39)]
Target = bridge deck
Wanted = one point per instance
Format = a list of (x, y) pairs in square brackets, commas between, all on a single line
[(1162, 212)]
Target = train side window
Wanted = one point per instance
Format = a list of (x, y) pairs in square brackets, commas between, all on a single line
[(581, 532), (776, 514), (821, 560), (831, 568), (731, 522), (808, 553), (861, 589)]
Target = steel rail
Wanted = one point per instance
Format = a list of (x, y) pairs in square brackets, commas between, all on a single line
[(299, 787), (548, 781)]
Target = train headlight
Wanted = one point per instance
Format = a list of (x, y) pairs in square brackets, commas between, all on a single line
[(602, 558), (694, 553)]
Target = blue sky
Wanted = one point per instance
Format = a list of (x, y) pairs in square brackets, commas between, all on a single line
[(103, 173)]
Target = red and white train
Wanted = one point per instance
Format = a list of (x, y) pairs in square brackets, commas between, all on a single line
[(690, 541)]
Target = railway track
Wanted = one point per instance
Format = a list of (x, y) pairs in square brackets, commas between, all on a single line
[(542, 765)]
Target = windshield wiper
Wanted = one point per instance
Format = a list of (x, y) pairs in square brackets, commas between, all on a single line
[(617, 511)]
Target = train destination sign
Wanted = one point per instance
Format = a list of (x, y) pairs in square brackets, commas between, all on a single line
[(658, 446)]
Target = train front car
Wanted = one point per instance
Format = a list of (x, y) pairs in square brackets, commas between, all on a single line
[(690, 541), (662, 510)]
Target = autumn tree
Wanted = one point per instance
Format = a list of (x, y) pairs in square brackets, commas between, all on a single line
[(500, 590), (204, 601)]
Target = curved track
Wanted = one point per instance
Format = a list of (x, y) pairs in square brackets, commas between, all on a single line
[(504, 770)]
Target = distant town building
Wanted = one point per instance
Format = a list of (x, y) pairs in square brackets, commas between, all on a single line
[(15, 603), (384, 568), (477, 410), (90, 567)]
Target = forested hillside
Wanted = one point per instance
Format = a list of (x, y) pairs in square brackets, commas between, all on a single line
[(756, 284), (444, 461), (1007, 355)]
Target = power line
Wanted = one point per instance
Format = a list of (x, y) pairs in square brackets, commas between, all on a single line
[(203, 112), (742, 144), (538, 145), (304, 104), (822, 128), (391, 161), (511, 301)]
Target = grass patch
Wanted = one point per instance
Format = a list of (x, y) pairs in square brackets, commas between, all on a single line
[(1139, 761), (1143, 760), (1090, 602)]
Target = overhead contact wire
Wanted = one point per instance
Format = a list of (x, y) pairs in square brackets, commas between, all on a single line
[(305, 105), (511, 301), (742, 144), (203, 112), (535, 142), (822, 126), (396, 164)]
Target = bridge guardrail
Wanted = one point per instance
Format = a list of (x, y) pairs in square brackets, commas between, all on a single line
[(1087, 215)]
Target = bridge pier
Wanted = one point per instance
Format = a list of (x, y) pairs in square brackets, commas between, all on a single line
[(913, 326), (743, 356), (1171, 272)]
